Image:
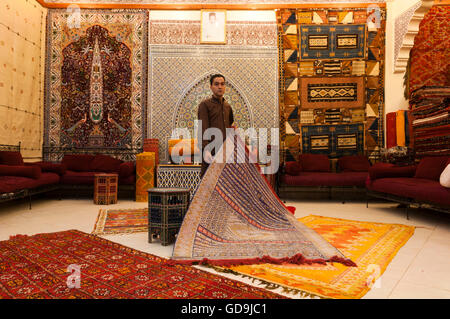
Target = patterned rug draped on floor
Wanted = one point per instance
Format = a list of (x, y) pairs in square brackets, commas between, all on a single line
[(235, 218), (37, 267), (371, 245)]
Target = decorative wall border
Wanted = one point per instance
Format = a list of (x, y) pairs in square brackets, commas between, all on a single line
[(402, 57), (208, 4)]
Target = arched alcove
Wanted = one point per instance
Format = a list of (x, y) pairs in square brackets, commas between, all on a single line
[(407, 31), (186, 110)]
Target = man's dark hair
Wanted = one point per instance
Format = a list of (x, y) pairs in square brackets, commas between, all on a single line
[(211, 80)]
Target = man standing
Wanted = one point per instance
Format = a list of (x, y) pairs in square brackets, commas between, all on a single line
[(214, 112)]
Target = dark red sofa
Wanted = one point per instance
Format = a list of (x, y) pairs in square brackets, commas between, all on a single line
[(77, 171), (81, 169), (19, 179), (313, 176), (411, 185)]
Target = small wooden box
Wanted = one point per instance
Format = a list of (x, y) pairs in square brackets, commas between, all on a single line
[(166, 210), (105, 189)]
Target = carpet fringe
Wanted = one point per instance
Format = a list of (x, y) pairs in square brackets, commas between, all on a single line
[(297, 259), (267, 284)]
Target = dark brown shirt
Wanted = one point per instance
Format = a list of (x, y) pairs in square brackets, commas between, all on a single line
[(214, 113)]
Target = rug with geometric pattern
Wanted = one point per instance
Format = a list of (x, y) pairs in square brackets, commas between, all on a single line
[(72, 264), (121, 221), (372, 246)]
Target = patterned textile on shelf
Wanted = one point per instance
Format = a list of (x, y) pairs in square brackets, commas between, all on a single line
[(432, 141), (430, 127), (332, 92), (96, 77), (44, 266), (145, 175), (235, 218), (333, 140), (332, 41)]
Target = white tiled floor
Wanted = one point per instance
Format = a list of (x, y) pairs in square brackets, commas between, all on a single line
[(421, 269)]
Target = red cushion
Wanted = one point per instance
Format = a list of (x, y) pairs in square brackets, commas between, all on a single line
[(126, 169), (49, 167), (431, 167), (77, 162), (11, 184), (386, 170), (326, 179), (293, 168), (47, 179), (11, 158), (22, 171), (356, 163), (78, 178), (314, 162), (416, 188), (105, 163), (130, 180)]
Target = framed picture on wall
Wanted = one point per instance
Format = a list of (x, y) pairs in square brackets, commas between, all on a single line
[(213, 26)]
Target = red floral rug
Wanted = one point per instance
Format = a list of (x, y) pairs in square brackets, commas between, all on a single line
[(37, 267)]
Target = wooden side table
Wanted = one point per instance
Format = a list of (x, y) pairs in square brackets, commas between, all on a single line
[(166, 210), (105, 189)]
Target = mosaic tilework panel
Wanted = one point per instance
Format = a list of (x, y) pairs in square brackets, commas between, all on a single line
[(323, 46), (174, 71), (239, 33), (110, 104)]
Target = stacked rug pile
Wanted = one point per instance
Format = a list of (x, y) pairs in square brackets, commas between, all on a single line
[(430, 107)]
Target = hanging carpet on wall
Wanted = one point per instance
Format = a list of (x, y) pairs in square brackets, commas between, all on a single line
[(235, 218)]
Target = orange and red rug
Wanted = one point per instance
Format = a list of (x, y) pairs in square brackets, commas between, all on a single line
[(38, 267), (121, 221), (372, 246)]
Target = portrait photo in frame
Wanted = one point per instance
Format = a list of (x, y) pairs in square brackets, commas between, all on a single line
[(213, 26)]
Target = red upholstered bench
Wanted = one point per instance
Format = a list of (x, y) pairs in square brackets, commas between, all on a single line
[(411, 185), (312, 176), (19, 179)]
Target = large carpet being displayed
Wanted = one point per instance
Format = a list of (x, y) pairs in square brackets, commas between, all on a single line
[(372, 246), (36, 267), (235, 218)]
